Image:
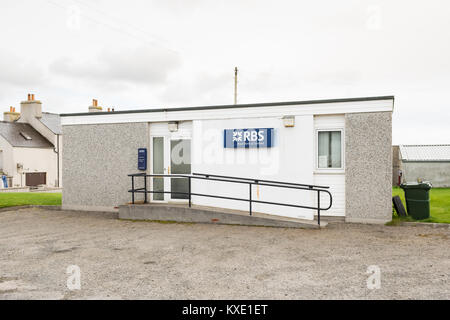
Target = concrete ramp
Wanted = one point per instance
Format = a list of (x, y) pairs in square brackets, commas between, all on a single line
[(201, 214)]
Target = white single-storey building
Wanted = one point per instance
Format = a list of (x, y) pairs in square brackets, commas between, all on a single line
[(30, 144), (341, 143)]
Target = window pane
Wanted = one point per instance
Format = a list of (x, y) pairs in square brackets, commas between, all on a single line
[(158, 185), (336, 149), (180, 162), (158, 167), (180, 156), (329, 149), (158, 155), (324, 142)]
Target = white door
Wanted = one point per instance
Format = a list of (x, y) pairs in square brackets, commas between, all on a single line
[(170, 154)]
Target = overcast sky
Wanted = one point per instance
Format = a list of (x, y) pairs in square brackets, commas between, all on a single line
[(172, 53)]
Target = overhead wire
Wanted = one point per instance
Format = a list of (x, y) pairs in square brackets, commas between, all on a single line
[(118, 29)]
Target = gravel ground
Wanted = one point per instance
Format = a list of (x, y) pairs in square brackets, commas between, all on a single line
[(145, 260)]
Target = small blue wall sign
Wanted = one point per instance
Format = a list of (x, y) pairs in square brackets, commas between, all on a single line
[(248, 138), (142, 158)]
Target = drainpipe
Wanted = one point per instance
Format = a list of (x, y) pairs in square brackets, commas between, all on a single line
[(56, 150)]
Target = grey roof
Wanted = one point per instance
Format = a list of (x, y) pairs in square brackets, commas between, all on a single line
[(11, 131), (434, 152), (233, 106), (52, 121)]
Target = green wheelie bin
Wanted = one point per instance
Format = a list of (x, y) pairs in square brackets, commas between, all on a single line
[(417, 196)]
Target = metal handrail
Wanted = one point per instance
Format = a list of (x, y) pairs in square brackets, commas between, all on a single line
[(260, 180), (249, 181)]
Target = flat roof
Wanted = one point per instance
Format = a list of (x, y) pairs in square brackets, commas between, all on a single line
[(232, 106)]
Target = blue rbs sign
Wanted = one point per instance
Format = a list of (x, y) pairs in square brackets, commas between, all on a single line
[(248, 138)]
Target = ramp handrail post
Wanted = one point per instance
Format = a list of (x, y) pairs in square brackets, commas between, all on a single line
[(132, 189), (250, 196), (318, 207), (190, 197), (145, 187)]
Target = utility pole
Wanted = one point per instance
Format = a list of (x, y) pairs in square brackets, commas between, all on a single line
[(235, 84)]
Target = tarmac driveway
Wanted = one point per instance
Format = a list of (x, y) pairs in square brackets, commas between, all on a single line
[(146, 260)]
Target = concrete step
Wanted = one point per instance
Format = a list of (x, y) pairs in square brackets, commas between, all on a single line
[(203, 214)]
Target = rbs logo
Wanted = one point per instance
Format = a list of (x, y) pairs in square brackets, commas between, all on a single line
[(248, 138)]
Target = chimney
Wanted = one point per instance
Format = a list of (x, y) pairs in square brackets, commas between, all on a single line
[(95, 107), (30, 108), (11, 115)]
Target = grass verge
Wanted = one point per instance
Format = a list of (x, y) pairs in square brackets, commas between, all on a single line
[(12, 199), (439, 206)]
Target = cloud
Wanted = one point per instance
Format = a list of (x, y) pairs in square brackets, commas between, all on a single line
[(203, 88), (144, 65), (19, 71), (179, 5)]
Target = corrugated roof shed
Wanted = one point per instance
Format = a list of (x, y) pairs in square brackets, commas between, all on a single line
[(437, 152), (23, 135)]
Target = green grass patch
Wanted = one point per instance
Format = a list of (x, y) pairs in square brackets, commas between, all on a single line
[(439, 206), (12, 199)]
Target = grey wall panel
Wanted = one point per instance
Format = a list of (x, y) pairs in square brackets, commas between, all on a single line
[(97, 160), (368, 161), (438, 173)]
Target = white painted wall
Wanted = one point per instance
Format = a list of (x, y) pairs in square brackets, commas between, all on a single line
[(60, 152), (336, 182), (30, 112), (291, 159), (34, 160), (7, 155)]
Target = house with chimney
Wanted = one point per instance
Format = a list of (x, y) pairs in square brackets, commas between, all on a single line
[(30, 146)]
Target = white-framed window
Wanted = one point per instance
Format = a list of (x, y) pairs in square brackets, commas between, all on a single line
[(330, 149)]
